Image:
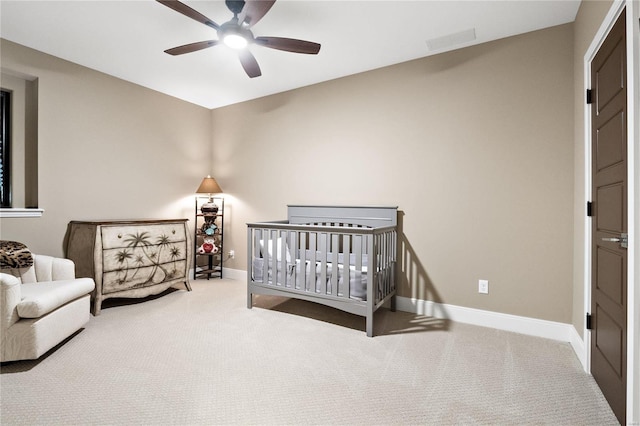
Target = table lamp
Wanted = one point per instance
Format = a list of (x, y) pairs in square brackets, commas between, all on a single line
[(209, 186)]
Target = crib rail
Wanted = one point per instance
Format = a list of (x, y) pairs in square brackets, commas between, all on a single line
[(335, 226), (344, 257), (324, 259)]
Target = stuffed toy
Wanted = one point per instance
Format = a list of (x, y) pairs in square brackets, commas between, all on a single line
[(208, 246)]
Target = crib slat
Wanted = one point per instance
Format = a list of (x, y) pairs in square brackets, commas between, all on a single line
[(357, 243), (346, 253), (256, 242), (391, 244), (298, 259), (293, 248), (282, 237), (376, 276), (266, 236), (335, 247), (265, 256), (385, 280), (385, 239), (302, 277), (382, 248), (274, 258), (311, 285), (323, 263), (358, 249)]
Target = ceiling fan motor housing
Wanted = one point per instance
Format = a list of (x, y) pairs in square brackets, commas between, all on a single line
[(235, 6)]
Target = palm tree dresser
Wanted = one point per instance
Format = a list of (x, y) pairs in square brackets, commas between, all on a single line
[(134, 258)]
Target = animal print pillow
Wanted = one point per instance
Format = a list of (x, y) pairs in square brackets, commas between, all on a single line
[(14, 255)]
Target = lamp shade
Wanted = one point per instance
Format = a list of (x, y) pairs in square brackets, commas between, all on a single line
[(209, 186)]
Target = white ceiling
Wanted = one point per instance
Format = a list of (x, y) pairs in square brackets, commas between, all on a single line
[(127, 39)]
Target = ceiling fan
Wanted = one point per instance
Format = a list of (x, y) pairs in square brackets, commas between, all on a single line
[(237, 34)]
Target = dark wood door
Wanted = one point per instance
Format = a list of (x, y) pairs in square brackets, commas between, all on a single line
[(609, 255)]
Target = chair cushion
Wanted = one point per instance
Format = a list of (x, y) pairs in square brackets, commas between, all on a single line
[(41, 298)]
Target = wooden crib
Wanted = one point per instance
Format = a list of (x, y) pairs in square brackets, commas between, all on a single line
[(343, 257)]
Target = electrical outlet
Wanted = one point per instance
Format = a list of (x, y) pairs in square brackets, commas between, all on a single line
[(232, 254), (483, 286)]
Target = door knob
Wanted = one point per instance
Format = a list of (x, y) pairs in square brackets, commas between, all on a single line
[(623, 240)]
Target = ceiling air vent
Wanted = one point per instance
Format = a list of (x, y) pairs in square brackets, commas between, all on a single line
[(451, 40)]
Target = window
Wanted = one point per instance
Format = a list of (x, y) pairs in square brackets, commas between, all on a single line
[(19, 145), (5, 149)]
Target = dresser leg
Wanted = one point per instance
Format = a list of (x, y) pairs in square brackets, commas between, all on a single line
[(97, 306)]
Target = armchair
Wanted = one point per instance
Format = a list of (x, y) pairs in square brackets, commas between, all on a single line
[(40, 306)]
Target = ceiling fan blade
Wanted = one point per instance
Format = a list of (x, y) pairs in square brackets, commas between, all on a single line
[(189, 12), (191, 47), (289, 44), (254, 10), (249, 63)]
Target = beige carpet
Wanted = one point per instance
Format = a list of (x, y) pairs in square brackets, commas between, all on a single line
[(202, 357)]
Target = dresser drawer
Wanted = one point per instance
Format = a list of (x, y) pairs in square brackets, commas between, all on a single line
[(140, 276), (114, 236)]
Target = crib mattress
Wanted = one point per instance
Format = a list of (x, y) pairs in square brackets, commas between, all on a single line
[(357, 279)]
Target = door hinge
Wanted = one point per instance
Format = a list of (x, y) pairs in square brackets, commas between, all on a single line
[(589, 322), (589, 98), (589, 209)]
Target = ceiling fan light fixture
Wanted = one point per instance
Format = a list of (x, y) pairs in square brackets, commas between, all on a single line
[(235, 41)]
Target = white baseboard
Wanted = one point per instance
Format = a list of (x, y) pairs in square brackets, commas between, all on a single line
[(235, 274), (524, 325), (578, 345)]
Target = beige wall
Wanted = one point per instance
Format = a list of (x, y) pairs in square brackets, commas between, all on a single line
[(475, 147), (588, 21), (107, 149)]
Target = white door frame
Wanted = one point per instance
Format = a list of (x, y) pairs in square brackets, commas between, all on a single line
[(633, 212)]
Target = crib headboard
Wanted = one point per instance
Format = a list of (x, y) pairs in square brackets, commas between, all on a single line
[(374, 217)]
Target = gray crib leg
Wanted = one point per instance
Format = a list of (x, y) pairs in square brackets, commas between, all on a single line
[(370, 324), (249, 300), (393, 303)]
